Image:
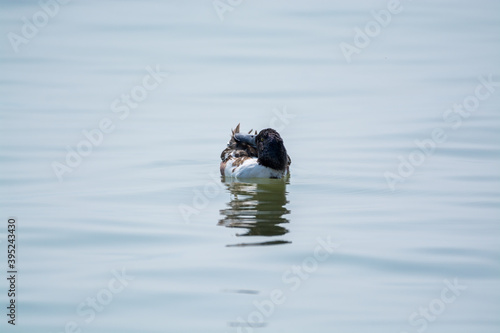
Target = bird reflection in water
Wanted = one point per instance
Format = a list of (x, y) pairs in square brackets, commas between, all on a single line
[(259, 206)]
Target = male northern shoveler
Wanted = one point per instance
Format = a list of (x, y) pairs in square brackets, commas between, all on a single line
[(255, 155)]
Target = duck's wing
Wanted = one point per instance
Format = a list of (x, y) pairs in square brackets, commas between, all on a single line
[(236, 149)]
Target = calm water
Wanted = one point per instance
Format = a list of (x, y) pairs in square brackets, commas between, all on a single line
[(333, 248)]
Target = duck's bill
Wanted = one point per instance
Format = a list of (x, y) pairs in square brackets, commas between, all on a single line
[(245, 138)]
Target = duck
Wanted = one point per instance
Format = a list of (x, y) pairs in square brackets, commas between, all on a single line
[(257, 155)]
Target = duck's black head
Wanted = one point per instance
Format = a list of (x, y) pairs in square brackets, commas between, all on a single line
[(271, 151)]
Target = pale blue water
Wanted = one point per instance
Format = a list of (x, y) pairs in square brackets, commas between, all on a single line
[(212, 256)]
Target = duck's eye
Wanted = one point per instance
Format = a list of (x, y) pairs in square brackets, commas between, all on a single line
[(261, 139)]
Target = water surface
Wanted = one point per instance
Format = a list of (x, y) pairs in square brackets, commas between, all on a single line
[(333, 248)]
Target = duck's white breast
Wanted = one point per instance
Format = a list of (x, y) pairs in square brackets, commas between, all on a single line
[(250, 168)]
